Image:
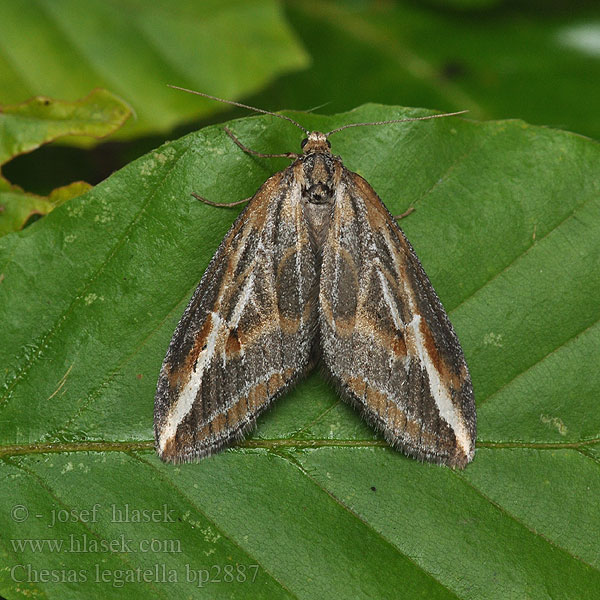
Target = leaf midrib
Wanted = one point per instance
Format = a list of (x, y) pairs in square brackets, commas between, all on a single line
[(265, 444)]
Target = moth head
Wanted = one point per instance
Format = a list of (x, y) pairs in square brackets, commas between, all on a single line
[(316, 142)]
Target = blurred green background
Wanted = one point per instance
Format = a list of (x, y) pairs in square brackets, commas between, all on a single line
[(537, 61)]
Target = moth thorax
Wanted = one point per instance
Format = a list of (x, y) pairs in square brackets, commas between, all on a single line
[(319, 193), (319, 185)]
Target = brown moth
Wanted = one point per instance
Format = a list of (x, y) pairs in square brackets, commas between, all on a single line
[(315, 270)]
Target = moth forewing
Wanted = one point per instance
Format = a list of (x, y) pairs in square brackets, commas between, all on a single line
[(386, 338), (229, 357), (316, 268)]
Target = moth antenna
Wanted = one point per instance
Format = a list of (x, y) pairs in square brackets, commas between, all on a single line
[(260, 110), (309, 110), (452, 114)]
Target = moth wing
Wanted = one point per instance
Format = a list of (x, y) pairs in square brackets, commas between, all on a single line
[(386, 339), (247, 332)]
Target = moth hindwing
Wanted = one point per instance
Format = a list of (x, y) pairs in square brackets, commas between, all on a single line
[(316, 270)]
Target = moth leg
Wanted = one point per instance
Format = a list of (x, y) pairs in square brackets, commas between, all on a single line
[(259, 154), (249, 151), (220, 204), (405, 213)]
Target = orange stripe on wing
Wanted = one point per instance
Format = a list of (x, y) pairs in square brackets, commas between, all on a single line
[(179, 375)]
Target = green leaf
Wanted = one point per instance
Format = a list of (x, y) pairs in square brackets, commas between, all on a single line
[(62, 48), (25, 127), (507, 225), (464, 4), (515, 60)]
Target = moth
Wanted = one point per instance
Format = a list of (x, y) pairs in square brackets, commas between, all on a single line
[(315, 270)]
